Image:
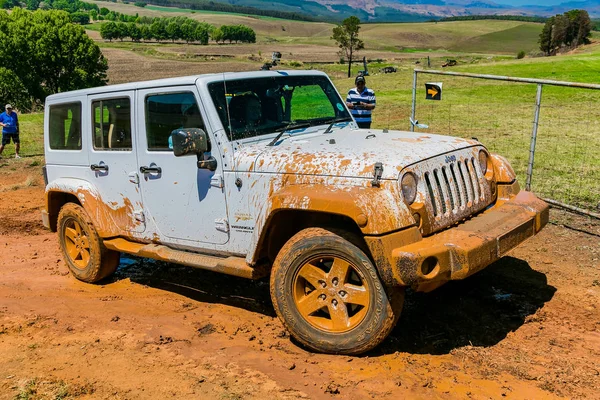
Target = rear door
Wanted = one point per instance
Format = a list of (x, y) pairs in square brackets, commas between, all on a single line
[(113, 159)]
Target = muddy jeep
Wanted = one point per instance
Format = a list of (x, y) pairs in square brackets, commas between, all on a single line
[(265, 174)]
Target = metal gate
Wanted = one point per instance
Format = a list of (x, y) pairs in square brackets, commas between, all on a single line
[(559, 157)]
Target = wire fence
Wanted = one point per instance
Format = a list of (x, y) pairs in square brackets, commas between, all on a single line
[(501, 115)]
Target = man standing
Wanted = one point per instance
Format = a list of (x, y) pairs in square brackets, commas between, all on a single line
[(361, 101), (10, 129)]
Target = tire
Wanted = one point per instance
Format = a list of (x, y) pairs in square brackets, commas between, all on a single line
[(328, 295), (83, 250)]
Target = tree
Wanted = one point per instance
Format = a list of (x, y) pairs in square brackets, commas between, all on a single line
[(80, 18), (546, 37), (346, 37), (173, 31), (570, 29), (135, 33), (217, 35), (108, 30), (54, 55), (13, 91)]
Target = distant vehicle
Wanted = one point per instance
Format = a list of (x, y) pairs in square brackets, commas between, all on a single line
[(388, 70), (265, 173), (449, 63)]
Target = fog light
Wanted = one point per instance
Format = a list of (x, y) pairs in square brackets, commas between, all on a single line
[(430, 267)]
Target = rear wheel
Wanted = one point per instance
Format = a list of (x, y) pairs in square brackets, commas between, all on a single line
[(83, 250), (329, 296)]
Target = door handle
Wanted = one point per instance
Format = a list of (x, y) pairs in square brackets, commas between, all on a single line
[(146, 170), (99, 167)]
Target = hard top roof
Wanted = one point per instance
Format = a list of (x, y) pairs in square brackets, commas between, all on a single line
[(179, 81)]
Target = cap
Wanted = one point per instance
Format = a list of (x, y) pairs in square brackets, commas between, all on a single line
[(359, 79), (7, 106)]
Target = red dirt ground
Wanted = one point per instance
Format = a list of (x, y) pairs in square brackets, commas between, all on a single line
[(527, 327)]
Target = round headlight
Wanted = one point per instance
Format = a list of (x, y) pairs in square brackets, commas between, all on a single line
[(409, 187), (483, 161)]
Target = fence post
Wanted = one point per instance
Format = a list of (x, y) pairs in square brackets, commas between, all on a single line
[(538, 102), (414, 102)]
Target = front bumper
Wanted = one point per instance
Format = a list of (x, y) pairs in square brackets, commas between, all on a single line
[(406, 259)]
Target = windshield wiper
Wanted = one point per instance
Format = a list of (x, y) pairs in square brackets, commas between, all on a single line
[(336, 121), (285, 128)]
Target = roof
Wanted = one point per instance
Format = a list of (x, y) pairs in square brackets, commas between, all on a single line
[(179, 81)]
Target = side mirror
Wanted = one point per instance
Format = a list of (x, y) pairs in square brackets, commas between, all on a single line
[(189, 141)]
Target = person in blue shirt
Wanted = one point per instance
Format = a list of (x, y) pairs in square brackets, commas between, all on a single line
[(361, 102), (10, 129)]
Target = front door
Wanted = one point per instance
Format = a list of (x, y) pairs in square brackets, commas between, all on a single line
[(113, 159), (186, 204)]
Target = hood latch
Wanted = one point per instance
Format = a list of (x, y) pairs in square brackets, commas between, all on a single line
[(377, 172)]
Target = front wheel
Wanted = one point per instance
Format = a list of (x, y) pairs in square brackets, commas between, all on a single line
[(85, 254), (329, 296)]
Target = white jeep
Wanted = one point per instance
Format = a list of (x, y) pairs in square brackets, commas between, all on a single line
[(265, 173)]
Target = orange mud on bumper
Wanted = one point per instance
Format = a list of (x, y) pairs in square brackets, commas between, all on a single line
[(460, 251)]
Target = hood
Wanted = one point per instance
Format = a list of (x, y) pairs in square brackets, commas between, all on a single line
[(346, 152)]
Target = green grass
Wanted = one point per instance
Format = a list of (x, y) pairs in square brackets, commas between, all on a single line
[(93, 27)]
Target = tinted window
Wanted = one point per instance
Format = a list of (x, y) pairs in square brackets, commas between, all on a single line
[(111, 121), (167, 112), (65, 126)]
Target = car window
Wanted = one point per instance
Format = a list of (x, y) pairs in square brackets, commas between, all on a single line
[(167, 112), (259, 106), (65, 126), (111, 121)]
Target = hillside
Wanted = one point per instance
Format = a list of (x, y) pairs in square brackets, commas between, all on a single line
[(491, 36), (390, 10)]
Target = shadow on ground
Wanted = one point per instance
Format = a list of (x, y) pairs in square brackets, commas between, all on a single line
[(196, 284), (479, 311)]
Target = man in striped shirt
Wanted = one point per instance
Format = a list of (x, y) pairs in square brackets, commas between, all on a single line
[(361, 101)]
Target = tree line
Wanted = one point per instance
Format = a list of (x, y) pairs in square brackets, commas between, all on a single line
[(43, 52), (176, 28), (210, 5), (565, 31)]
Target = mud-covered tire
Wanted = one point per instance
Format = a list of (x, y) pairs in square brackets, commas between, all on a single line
[(318, 267), (83, 250)]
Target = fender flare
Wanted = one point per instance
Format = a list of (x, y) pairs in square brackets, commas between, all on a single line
[(90, 200), (375, 210)]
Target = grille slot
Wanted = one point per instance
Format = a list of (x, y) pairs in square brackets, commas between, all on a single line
[(449, 190), (460, 194), (440, 191), (431, 194)]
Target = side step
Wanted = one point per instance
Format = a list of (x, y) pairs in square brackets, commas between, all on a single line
[(236, 266)]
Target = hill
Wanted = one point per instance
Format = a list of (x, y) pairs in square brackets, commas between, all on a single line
[(490, 36), (386, 10)]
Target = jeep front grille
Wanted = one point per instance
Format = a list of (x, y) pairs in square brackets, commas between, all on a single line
[(452, 188), (455, 186)]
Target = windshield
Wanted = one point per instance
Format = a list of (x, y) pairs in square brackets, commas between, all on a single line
[(257, 106)]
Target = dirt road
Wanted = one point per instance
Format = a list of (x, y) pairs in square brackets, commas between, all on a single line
[(528, 327)]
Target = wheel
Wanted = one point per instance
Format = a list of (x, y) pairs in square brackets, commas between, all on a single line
[(329, 296), (85, 254)]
